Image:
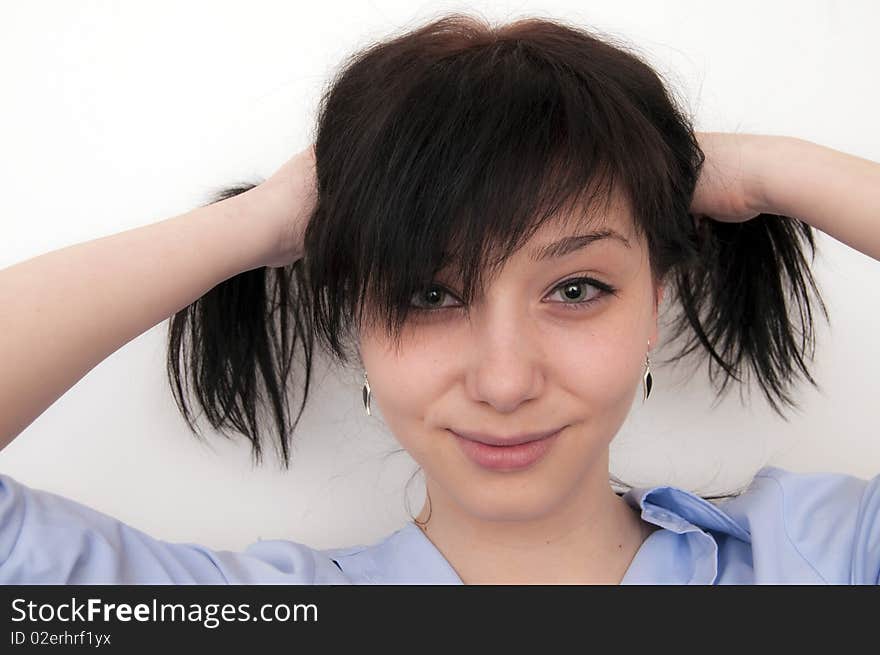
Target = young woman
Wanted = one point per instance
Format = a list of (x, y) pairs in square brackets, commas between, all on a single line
[(486, 224)]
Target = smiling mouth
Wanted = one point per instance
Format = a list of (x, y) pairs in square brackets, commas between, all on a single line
[(513, 457)]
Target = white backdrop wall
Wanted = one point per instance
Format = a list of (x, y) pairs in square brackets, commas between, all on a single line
[(117, 115)]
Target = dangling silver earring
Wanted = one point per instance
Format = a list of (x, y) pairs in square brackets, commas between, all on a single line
[(366, 394), (647, 380)]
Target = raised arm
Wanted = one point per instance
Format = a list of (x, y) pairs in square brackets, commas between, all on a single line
[(833, 191), (64, 312)]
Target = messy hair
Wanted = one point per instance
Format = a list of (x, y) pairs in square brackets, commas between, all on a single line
[(451, 144)]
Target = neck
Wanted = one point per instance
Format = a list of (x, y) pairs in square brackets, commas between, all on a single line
[(590, 539)]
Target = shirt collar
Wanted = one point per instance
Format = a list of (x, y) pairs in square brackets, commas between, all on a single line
[(683, 552)]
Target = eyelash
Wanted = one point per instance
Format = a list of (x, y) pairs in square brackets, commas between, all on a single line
[(580, 305)]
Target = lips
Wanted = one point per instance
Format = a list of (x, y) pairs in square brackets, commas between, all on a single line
[(510, 454), (493, 440)]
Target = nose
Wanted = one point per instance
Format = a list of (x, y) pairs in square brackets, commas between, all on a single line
[(504, 369)]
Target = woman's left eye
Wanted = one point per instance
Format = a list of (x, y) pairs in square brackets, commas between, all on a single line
[(571, 291)]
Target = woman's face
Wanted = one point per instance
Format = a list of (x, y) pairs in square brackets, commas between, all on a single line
[(527, 359)]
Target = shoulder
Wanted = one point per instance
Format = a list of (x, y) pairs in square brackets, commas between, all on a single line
[(828, 522), (46, 538)]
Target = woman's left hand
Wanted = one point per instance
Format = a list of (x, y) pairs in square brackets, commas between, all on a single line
[(729, 188)]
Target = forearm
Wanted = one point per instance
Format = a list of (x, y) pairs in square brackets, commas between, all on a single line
[(833, 191), (64, 312)]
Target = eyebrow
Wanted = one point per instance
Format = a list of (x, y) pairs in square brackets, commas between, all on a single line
[(571, 244)]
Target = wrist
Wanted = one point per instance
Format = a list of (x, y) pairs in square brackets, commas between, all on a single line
[(774, 159), (236, 225), (278, 211)]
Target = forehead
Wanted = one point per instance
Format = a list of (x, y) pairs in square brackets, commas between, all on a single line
[(607, 222), (612, 210), (611, 223)]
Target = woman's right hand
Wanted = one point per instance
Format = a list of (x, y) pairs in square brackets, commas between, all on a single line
[(287, 199)]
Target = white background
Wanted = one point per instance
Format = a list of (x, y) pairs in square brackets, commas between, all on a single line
[(117, 115)]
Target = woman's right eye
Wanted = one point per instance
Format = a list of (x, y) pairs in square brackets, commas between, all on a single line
[(431, 298)]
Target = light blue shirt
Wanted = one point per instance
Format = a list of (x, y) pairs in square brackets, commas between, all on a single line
[(785, 528)]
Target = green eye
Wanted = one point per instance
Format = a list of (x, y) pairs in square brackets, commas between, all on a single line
[(578, 282), (575, 288)]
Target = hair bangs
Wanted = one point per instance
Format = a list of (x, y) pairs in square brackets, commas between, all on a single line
[(490, 144)]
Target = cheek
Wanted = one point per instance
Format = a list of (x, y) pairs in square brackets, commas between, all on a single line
[(403, 385), (600, 361), (598, 371)]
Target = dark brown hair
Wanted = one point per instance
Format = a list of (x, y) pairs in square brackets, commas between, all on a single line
[(454, 142)]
